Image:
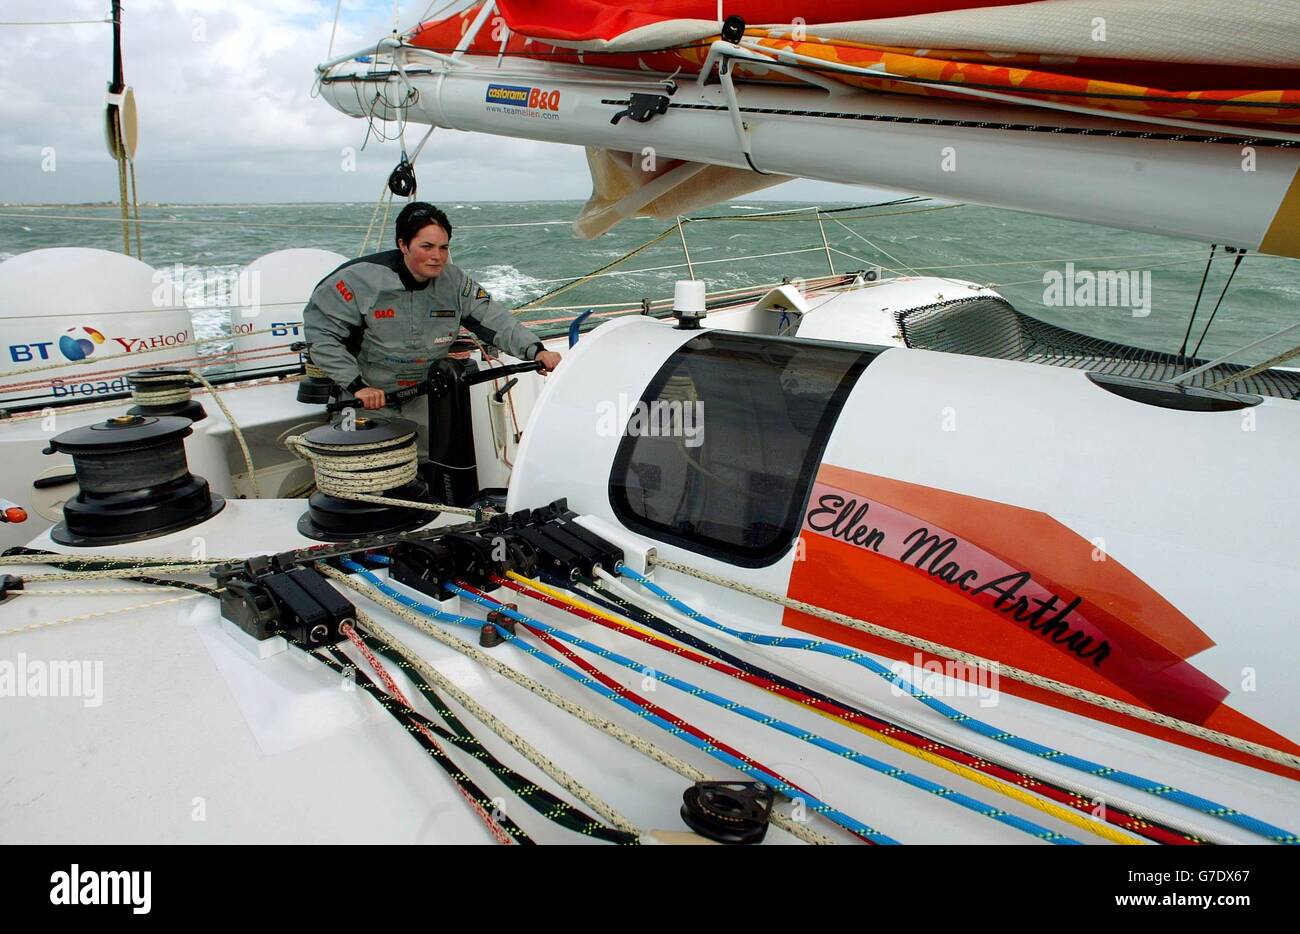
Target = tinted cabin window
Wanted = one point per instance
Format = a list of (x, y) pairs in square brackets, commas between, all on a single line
[(720, 453)]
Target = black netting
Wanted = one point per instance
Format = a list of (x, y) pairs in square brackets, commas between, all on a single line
[(989, 327)]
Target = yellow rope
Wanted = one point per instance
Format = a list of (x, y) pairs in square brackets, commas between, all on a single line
[(1068, 815), (1007, 671), (585, 607), (1060, 812)]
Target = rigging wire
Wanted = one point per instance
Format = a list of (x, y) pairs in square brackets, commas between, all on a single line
[(1182, 349), (56, 22), (1236, 264), (338, 9)]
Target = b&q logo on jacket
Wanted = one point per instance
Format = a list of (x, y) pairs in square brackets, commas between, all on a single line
[(385, 312), (526, 98), (344, 290)]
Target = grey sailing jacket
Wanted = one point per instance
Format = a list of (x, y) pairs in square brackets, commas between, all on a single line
[(370, 323)]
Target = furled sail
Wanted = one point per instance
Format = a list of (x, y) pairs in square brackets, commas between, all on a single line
[(1177, 117), (1228, 62)]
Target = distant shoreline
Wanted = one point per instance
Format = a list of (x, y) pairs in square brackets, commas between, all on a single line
[(113, 205)]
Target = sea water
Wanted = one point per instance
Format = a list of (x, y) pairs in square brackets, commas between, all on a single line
[(1126, 286)]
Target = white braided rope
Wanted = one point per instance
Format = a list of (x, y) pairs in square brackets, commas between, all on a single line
[(160, 396), (141, 560), (1016, 674), (436, 678), (386, 468), (357, 476), (120, 573), (1255, 370), (101, 613), (958, 739), (802, 832), (234, 427), (84, 591)]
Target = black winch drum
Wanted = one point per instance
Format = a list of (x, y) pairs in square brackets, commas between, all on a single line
[(135, 482), (336, 519)]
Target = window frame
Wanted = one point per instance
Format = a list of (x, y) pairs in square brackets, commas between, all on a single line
[(739, 556)]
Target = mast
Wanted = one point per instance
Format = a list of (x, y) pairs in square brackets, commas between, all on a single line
[(121, 134)]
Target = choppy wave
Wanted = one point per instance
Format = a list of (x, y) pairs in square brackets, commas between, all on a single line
[(507, 284), (515, 263)]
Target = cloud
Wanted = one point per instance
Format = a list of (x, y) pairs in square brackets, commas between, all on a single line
[(227, 113)]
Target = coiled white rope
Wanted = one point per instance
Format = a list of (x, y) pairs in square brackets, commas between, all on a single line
[(361, 476), (141, 394), (345, 469)]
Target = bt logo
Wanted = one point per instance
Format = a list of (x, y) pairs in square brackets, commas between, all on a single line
[(285, 328), (77, 344)]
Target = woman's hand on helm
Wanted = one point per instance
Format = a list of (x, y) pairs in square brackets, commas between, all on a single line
[(371, 398)]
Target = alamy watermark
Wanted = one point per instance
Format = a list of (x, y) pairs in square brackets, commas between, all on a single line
[(661, 418), (179, 285), (80, 886), (33, 677), (1102, 288), (946, 678)]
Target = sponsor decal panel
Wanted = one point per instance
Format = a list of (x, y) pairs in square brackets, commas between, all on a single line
[(523, 101), (1011, 584), (82, 342)]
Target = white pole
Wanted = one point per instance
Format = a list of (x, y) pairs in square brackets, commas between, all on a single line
[(1228, 356)]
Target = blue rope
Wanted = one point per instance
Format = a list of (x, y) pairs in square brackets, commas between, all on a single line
[(1178, 796), (815, 805), (790, 729)]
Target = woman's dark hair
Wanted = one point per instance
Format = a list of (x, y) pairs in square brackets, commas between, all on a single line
[(415, 217)]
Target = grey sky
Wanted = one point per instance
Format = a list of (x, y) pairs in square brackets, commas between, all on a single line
[(226, 112)]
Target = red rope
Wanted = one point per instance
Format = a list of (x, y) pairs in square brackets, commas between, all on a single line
[(641, 701), (1119, 818), (88, 375), (390, 685)]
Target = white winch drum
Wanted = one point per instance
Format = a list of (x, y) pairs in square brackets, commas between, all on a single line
[(94, 311), (272, 291)]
